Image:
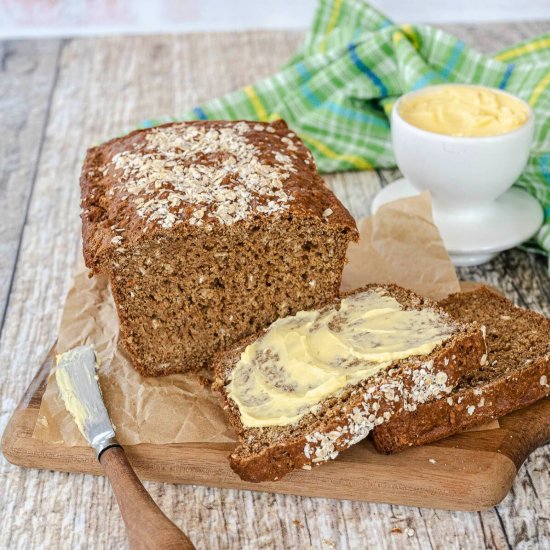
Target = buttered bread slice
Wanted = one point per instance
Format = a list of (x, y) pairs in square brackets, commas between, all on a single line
[(315, 383), (515, 375)]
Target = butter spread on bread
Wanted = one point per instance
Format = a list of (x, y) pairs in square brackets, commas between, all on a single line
[(305, 358), (342, 419)]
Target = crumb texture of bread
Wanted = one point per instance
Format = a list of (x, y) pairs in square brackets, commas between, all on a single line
[(209, 231), (515, 373), (341, 420)]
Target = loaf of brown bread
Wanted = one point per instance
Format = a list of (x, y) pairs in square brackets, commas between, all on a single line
[(208, 232), (269, 451), (515, 374)]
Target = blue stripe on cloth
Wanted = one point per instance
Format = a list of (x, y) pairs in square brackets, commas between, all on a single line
[(351, 114), (452, 61), (544, 162), (341, 110), (424, 80), (200, 113), (147, 123), (445, 72), (310, 95), (352, 49), (506, 76), (303, 71)]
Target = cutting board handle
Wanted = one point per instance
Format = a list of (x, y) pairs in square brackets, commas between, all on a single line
[(146, 524)]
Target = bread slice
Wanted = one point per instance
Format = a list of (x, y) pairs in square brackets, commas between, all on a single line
[(516, 374), (268, 453), (209, 231)]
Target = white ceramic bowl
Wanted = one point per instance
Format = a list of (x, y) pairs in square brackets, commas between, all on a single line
[(463, 174)]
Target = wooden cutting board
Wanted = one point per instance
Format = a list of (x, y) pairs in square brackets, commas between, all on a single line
[(469, 471)]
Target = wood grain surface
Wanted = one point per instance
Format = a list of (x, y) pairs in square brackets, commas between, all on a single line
[(60, 96), (471, 471), (147, 527)]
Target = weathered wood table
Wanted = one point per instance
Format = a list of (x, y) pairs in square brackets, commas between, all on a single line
[(57, 97)]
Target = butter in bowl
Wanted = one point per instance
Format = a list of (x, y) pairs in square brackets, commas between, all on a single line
[(467, 145)]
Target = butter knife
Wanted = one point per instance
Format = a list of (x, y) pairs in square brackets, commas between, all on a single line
[(146, 525)]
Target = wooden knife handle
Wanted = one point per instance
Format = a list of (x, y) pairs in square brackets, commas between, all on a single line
[(146, 524)]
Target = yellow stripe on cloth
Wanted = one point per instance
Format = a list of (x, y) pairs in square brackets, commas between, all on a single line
[(534, 46), (397, 37), (388, 106), (256, 103), (274, 116), (409, 31), (331, 23), (355, 160), (539, 88)]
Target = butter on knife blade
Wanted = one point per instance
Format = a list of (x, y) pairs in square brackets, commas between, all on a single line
[(146, 524), (78, 383)]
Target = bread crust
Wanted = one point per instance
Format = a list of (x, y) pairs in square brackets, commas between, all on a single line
[(467, 408), (365, 405), (106, 209)]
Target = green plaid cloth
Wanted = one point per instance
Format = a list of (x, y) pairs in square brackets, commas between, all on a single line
[(339, 88)]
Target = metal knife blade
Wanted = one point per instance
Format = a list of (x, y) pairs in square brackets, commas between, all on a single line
[(77, 381)]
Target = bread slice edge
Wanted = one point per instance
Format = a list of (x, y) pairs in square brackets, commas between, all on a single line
[(364, 405), (481, 401)]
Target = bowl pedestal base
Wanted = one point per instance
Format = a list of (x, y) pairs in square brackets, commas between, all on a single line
[(473, 238)]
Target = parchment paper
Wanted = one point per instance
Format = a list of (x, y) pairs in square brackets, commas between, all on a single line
[(170, 409), (399, 244)]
